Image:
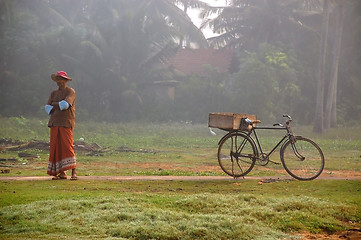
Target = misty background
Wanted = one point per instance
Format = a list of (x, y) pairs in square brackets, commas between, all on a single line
[(288, 56)]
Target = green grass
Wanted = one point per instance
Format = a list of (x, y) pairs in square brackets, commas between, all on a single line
[(231, 209), (167, 148), (176, 209)]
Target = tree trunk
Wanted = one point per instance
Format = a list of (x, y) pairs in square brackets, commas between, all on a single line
[(318, 124), (330, 113)]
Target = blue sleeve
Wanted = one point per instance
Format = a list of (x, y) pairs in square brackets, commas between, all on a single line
[(63, 105), (48, 108)]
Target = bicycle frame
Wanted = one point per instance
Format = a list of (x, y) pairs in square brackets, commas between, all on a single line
[(257, 143), (259, 146)]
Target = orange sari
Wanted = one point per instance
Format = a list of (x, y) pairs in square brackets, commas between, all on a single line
[(62, 156)]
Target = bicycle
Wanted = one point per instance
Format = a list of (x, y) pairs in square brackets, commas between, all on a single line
[(238, 151)]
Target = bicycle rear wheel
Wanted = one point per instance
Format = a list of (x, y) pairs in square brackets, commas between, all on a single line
[(303, 159), (236, 154)]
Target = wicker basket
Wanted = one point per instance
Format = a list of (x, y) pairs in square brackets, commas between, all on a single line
[(229, 121)]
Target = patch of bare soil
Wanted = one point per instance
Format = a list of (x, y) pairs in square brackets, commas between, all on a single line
[(325, 174), (341, 173), (172, 166), (351, 234)]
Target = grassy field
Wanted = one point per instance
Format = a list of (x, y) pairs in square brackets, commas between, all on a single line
[(230, 209), (177, 209), (164, 149)]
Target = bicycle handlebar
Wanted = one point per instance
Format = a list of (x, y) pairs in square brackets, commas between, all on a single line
[(287, 116), (286, 123)]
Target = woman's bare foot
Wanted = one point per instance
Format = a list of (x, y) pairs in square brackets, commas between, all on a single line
[(74, 176), (61, 175)]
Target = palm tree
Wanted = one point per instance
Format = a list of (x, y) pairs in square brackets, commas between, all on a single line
[(130, 39), (246, 24), (331, 100), (348, 94), (319, 114), (189, 27), (119, 42)]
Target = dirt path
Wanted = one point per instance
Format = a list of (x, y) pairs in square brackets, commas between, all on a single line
[(165, 178)]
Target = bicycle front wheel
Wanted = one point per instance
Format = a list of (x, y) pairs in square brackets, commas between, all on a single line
[(303, 159), (236, 154)]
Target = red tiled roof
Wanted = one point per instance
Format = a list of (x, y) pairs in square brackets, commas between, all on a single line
[(192, 61)]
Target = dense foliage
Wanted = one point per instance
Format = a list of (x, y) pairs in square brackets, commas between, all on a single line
[(113, 50)]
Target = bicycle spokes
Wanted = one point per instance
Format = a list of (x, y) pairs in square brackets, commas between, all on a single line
[(236, 155), (303, 159)]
